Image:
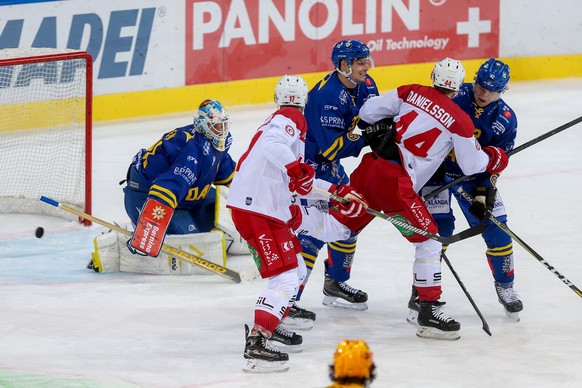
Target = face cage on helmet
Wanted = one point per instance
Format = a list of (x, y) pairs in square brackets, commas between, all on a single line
[(216, 136)]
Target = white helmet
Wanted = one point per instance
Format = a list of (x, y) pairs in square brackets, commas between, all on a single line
[(291, 90), (448, 74)]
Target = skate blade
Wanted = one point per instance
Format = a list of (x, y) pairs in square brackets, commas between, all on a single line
[(297, 324), (332, 301), (433, 333), (412, 317), (286, 348), (262, 366), (513, 316)]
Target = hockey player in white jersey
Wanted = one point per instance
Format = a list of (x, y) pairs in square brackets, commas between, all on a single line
[(267, 177), (427, 125)]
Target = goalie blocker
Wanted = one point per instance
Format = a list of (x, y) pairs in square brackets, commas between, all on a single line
[(151, 228)]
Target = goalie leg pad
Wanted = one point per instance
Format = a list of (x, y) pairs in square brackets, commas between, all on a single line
[(106, 255), (209, 246), (235, 244)]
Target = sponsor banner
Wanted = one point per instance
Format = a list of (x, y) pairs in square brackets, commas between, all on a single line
[(240, 39), (135, 45)]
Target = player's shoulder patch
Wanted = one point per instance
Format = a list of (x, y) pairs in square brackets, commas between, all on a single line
[(289, 130)]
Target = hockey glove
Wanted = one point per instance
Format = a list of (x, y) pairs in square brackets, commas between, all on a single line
[(296, 217), (483, 202), (148, 236), (498, 159), (301, 177), (356, 205), (374, 134)]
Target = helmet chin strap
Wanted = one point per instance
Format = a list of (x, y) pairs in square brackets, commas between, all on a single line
[(347, 75)]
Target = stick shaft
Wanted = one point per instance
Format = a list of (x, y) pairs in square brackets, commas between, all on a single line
[(513, 151), (529, 249), (403, 223), (481, 317)]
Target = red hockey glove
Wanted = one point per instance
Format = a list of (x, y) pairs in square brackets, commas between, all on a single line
[(296, 217), (301, 177), (498, 159), (355, 207), (150, 231)]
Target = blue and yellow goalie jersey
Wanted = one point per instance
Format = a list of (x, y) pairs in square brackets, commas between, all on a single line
[(181, 167)]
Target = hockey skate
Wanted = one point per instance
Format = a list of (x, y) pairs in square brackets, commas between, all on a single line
[(260, 357), (286, 340), (508, 297), (433, 323), (299, 319), (340, 294), (413, 307)]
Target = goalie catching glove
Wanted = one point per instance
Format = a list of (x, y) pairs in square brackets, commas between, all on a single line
[(353, 204), (148, 236), (301, 177)]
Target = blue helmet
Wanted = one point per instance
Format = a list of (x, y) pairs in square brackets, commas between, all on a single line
[(493, 75), (348, 50)]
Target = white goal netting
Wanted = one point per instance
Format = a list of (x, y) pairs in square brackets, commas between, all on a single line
[(45, 129)]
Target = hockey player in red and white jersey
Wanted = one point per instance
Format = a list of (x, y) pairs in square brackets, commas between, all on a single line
[(268, 177), (427, 125)]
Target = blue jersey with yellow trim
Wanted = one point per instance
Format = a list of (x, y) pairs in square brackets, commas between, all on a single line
[(495, 125), (332, 114), (180, 168)]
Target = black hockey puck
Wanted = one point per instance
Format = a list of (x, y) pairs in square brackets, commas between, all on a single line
[(39, 232)]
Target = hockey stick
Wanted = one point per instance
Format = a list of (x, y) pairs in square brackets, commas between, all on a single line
[(404, 223), (172, 251), (529, 249), (485, 324), (513, 151)]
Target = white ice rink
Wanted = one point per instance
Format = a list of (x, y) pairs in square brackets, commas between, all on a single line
[(62, 325)]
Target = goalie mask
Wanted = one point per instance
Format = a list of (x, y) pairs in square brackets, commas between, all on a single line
[(291, 90), (448, 74), (353, 362), (213, 122)]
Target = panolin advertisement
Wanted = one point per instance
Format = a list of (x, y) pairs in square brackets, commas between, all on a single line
[(239, 39)]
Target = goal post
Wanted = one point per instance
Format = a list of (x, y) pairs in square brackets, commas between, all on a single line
[(45, 129)]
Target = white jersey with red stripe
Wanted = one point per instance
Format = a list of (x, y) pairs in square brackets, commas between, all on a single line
[(428, 125), (261, 184)]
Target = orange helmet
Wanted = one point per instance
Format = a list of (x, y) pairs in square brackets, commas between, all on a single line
[(353, 359)]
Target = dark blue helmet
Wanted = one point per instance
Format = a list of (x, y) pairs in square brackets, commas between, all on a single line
[(493, 75), (348, 50)]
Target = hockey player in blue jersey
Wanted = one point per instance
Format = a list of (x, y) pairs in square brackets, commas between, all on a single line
[(170, 185), (332, 114), (495, 125)]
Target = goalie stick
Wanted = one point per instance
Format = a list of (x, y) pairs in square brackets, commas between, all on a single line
[(406, 225), (172, 251), (513, 151), (529, 249)]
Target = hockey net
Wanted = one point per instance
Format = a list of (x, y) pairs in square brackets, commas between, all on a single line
[(45, 129)]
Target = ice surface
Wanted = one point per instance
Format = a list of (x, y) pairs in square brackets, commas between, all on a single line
[(62, 325)]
